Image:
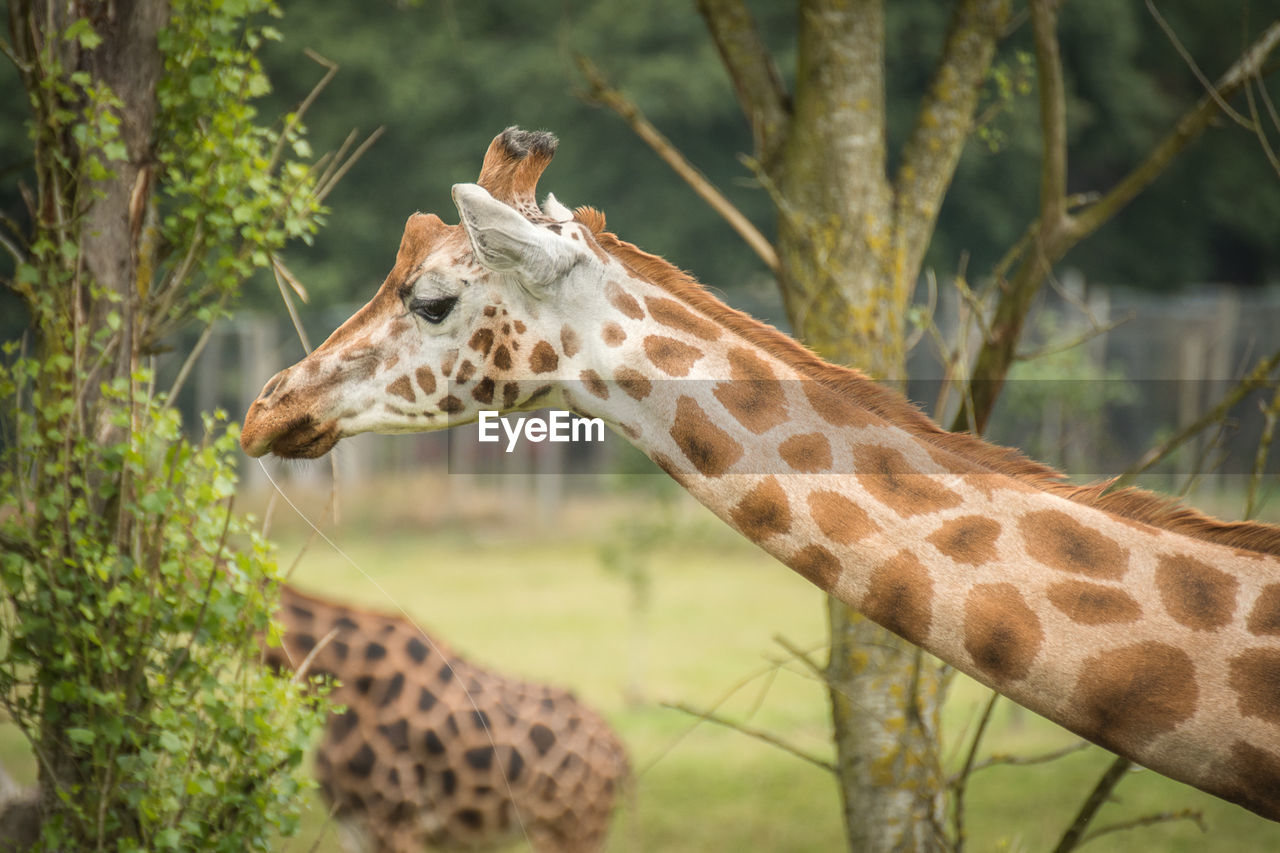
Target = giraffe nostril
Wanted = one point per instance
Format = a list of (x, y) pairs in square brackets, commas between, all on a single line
[(273, 383)]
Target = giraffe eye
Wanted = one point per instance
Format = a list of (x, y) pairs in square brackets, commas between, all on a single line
[(433, 310)]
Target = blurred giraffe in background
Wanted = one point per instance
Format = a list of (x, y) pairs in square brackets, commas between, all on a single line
[(433, 751)]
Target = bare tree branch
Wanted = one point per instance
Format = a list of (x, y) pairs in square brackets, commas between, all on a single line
[(1192, 123), (960, 784), (1050, 245), (755, 77), (602, 93), (1101, 792), (1195, 68), (1270, 414), (1259, 377), (1193, 815), (1053, 115), (944, 122), (1002, 760), (758, 734)]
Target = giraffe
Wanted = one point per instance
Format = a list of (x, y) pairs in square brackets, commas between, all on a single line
[(434, 751), (1141, 625)]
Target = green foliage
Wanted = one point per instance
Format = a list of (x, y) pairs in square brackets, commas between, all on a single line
[(135, 600), (235, 191)]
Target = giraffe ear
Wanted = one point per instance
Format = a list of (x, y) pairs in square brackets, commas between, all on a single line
[(504, 241)]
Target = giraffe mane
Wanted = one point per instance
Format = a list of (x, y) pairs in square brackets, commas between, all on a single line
[(1131, 503)]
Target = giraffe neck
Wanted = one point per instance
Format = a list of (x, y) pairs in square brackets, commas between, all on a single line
[(1159, 645)]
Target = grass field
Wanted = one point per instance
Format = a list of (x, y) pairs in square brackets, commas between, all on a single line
[(526, 594)]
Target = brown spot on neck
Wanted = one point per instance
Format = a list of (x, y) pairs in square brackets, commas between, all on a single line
[(1254, 779), (1196, 595), (752, 395), (886, 474), (968, 539), (623, 301), (672, 314), (633, 382), (1255, 677), (672, 470), (502, 357), (1060, 542), (900, 597), (612, 334), (594, 384), (711, 450), (1001, 633), (569, 342), (1125, 697), (817, 565), (763, 512), (809, 453), (1264, 619), (1094, 603), (840, 519), (670, 356), (835, 408)]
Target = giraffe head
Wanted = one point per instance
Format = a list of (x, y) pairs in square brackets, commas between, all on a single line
[(465, 321)]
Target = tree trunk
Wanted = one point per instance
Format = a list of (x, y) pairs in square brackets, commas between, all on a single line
[(850, 244), (835, 245), (100, 219)]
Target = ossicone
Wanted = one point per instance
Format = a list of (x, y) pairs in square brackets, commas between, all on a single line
[(515, 160)]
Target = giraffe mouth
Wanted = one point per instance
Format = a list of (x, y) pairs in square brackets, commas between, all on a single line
[(302, 439)]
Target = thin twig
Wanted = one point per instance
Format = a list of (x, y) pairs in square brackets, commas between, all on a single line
[(1084, 337), (323, 190), (1101, 792), (1194, 815), (1259, 377), (1270, 414), (331, 69), (1259, 128), (301, 671), (961, 782), (758, 734), (289, 306), (602, 93), (190, 360), (802, 656), (1028, 760), (1195, 69)]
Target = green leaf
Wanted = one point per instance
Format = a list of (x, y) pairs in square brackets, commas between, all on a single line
[(201, 86), (115, 150), (84, 736), (82, 31)]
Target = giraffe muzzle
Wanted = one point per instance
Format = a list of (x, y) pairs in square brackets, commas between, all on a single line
[(276, 423)]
